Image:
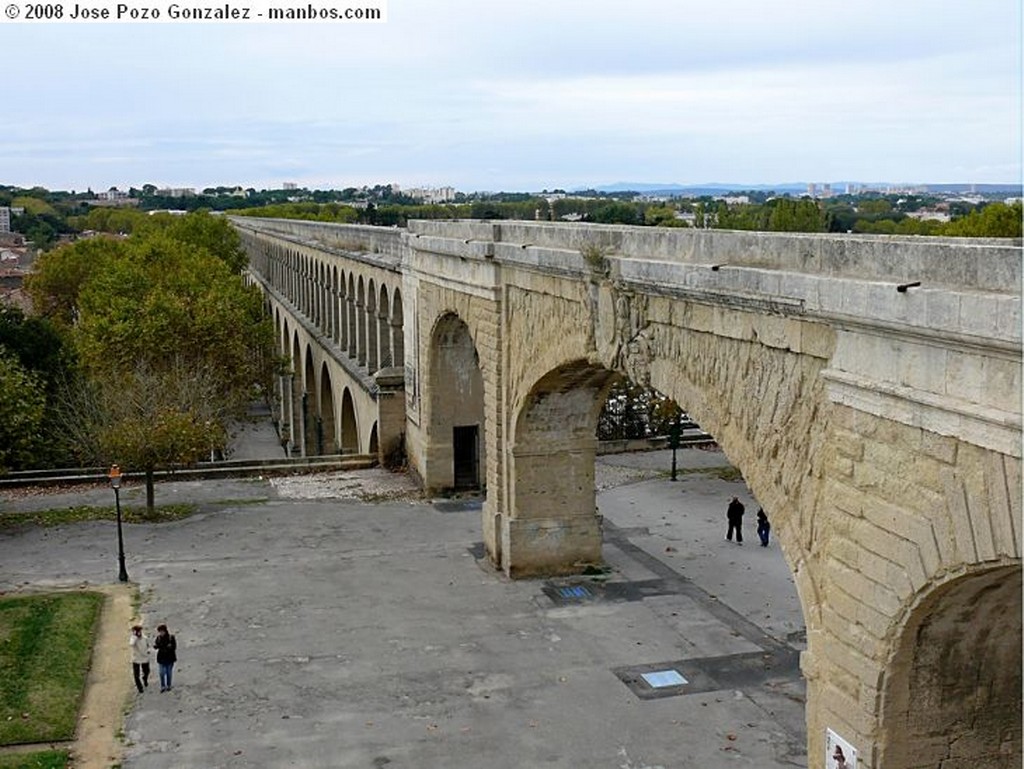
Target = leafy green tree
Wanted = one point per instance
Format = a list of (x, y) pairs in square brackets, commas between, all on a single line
[(153, 318), (996, 220), (163, 299), (22, 408), (662, 216), (788, 215), (213, 233), (617, 213), (35, 341), (59, 275)]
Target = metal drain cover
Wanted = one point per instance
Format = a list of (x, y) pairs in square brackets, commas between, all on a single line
[(573, 591)]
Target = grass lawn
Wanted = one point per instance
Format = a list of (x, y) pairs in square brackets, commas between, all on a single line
[(60, 515), (45, 650), (44, 759)]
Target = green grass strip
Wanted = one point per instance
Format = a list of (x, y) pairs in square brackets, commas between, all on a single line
[(61, 515), (45, 651), (43, 759)]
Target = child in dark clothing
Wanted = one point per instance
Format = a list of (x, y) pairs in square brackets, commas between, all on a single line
[(763, 526)]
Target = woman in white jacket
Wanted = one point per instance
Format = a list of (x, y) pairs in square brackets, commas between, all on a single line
[(140, 657)]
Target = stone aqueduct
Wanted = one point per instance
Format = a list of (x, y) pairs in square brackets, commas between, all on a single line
[(868, 388)]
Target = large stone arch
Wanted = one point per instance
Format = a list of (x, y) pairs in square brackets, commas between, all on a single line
[(328, 419), (454, 408), (551, 472), (952, 690)]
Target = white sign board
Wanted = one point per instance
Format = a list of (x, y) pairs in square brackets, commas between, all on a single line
[(839, 754)]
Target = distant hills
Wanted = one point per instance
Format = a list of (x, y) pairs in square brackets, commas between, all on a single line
[(718, 188)]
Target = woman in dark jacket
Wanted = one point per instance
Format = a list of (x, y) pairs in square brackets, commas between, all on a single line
[(166, 655)]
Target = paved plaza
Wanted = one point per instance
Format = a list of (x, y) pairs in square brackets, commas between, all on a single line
[(341, 621)]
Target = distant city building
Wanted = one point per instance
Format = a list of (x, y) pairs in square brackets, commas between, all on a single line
[(431, 194), (289, 186), (176, 192), (112, 194), (5, 219)]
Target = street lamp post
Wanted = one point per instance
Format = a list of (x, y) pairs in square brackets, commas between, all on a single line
[(115, 482), (673, 440)]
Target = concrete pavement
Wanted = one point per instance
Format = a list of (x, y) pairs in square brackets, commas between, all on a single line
[(332, 632)]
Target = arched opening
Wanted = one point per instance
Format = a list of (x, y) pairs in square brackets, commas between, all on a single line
[(371, 327), (361, 323), (397, 331), (552, 473), (374, 445), (342, 314), (297, 421), (352, 327), (310, 417), (456, 453), (335, 307), (384, 328), (952, 696), (349, 426), (328, 434)]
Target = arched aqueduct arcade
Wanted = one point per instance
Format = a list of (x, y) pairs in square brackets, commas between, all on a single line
[(868, 388)]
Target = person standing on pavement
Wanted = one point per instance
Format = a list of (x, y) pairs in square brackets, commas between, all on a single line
[(166, 655), (764, 526), (139, 644), (734, 514)]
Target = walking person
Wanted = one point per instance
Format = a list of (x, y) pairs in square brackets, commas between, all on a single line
[(139, 644), (734, 514), (166, 655), (764, 526)]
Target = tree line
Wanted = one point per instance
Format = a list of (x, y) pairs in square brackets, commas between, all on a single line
[(49, 215), (143, 350)]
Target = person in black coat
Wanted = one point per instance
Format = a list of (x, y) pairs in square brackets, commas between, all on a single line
[(166, 655), (734, 514)]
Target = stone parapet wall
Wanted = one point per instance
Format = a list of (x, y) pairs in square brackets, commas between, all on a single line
[(358, 240), (972, 263)]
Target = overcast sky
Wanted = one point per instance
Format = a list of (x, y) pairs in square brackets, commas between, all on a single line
[(523, 95)]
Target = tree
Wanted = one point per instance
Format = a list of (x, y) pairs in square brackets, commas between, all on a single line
[(172, 344), (162, 299), (788, 215), (22, 408), (40, 350), (145, 418), (214, 233), (996, 220), (632, 411), (662, 216), (59, 276)]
